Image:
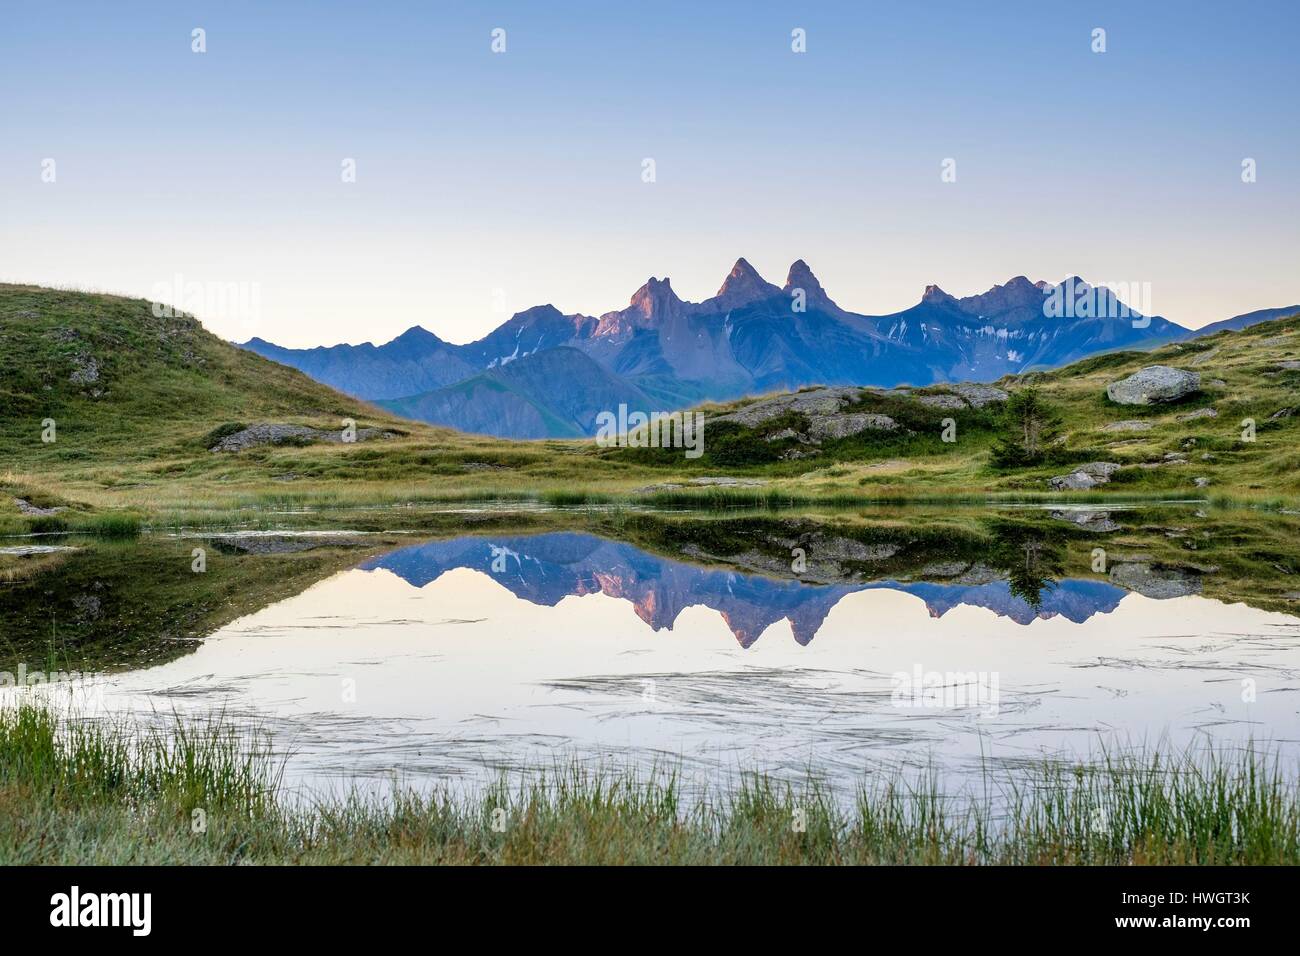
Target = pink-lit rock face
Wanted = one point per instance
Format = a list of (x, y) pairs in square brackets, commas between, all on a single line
[(751, 338)]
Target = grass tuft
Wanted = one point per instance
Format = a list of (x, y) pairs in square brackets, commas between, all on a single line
[(80, 792)]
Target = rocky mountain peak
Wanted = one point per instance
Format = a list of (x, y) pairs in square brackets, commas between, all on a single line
[(1016, 293), (801, 276), (933, 295), (742, 287), (655, 299)]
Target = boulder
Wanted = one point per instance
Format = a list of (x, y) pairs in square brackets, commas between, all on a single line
[(943, 401), (820, 401), (842, 426), (978, 394), (1099, 469), (1075, 481), (1099, 521), (1085, 476), (282, 434), (25, 507), (1155, 581), (1154, 384)]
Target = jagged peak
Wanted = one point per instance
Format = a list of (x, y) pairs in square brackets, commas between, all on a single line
[(742, 286), (1014, 294), (742, 270), (654, 295), (933, 295), (801, 276)]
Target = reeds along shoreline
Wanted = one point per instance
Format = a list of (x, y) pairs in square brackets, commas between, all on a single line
[(211, 792)]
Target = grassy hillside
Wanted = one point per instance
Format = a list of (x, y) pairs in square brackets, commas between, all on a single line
[(124, 384), (138, 399)]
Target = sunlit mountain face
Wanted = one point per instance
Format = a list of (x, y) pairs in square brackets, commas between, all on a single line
[(544, 373)]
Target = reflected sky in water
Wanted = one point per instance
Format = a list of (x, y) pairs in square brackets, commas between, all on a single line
[(460, 658)]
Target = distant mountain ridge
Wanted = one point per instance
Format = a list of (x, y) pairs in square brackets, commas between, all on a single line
[(663, 352), (1243, 321)]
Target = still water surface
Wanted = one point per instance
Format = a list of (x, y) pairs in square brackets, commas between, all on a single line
[(461, 658)]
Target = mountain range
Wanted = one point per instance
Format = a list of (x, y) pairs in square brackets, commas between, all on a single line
[(543, 373)]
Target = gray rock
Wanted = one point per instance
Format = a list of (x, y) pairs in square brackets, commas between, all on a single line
[(1076, 481), (840, 549), (1086, 476), (978, 394), (1154, 384), (1099, 469), (1154, 581), (819, 401), (1199, 413), (1099, 521), (1132, 425), (946, 402), (842, 426), (1201, 482), (979, 574), (85, 370), (726, 481), (25, 507), (279, 434), (944, 569), (1290, 365)]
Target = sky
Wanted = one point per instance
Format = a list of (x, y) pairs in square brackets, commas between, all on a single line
[(489, 182)]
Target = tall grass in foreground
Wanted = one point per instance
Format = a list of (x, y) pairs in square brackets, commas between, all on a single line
[(79, 792)]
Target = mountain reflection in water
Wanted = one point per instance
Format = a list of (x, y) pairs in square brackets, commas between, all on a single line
[(543, 569), (467, 657)]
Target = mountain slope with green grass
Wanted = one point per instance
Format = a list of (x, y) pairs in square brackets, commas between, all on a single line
[(122, 383), (138, 402)]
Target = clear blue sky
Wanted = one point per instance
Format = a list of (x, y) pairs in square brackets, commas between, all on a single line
[(487, 179)]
